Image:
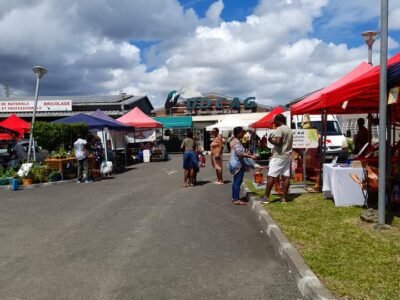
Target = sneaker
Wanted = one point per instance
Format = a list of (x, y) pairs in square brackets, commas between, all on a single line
[(263, 200), (78, 181), (88, 181)]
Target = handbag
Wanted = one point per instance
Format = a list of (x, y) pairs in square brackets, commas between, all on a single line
[(233, 163)]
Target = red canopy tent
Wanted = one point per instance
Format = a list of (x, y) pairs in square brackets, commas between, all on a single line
[(362, 93), (267, 121), (316, 102), (357, 92), (139, 119), (17, 124)]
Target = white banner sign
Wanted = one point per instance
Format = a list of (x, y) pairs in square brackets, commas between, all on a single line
[(302, 138), (141, 135), (42, 105)]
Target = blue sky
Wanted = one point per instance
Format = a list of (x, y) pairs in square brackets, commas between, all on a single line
[(274, 50)]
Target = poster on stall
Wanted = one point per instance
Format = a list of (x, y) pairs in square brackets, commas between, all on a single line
[(393, 95), (142, 135), (302, 138)]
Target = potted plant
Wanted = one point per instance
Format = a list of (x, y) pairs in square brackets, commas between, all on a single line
[(27, 179), (39, 173)]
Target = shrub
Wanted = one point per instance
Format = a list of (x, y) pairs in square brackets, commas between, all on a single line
[(51, 135)]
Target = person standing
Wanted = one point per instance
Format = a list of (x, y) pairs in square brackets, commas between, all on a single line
[(238, 153), (361, 138), (81, 155), (254, 139), (217, 146), (189, 159), (280, 162), (98, 155)]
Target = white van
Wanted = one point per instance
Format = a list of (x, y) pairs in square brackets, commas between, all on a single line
[(336, 142)]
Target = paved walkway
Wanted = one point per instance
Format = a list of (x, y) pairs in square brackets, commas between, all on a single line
[(137, 236)]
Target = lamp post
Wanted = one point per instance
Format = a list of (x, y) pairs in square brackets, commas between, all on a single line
[(39, 72), (369, 38)]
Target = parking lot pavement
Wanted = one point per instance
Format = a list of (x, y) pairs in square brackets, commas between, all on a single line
[(136, 236)]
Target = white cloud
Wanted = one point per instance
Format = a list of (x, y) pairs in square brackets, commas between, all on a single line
[(213, 13), (93, 47)]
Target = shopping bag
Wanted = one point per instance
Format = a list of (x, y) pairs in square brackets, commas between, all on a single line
[(106, 167)]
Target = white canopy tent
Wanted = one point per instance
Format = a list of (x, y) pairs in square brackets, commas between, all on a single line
[(229, 124)]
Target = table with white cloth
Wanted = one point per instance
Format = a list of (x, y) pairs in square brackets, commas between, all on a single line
[(338, 184)]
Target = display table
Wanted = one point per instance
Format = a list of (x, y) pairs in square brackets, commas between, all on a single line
[(60, 164), (337, 184)]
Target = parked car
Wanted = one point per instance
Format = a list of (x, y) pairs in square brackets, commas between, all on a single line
[(6, 148), (13, 152)]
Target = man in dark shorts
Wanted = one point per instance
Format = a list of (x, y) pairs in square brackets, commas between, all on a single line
[(189, 159)]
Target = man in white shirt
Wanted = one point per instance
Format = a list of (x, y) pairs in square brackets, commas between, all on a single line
[(81, 155), (280, 162)]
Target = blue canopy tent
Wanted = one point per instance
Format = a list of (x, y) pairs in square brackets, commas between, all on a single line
[(102, 115), (99, 114), (92, 123)]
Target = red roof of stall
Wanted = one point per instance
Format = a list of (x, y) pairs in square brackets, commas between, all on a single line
[(362, 93), (315, 103), (139, 119), (268, 120), (17, 124)]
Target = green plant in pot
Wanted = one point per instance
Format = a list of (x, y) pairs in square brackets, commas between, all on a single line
[(28, 178), (39, 173)]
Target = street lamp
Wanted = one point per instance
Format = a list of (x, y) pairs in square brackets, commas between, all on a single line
[(39, 72), (369, 38)]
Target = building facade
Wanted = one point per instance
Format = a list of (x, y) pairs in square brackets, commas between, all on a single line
[(50, 108), (207, 110)]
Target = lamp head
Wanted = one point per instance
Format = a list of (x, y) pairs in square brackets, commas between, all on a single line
[(39, 71), (369, 37)]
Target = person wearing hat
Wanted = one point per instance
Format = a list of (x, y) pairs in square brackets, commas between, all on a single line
[(280, 162)]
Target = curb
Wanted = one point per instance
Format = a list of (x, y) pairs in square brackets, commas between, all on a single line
[(307, 282), (37, 185)]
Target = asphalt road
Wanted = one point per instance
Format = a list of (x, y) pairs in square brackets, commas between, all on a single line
[(136, 236)]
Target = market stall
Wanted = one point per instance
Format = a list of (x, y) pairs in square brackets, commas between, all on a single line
[(94, 124), (174, 131), (268, 120), (142, 139), (115, 137), (357, 92), (17, 124)]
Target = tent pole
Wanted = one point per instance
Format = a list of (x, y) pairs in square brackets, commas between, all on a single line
[(125, 149), (382, 112), (324, 118), (105, 144)]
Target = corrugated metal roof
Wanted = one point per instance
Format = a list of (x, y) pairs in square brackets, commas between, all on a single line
[(80, 99)]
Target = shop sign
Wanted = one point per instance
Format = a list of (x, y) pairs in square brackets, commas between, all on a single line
[(302, 138), (205, 103), (42, 105)]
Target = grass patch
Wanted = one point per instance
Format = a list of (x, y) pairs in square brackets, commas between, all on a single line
[(352, 259)]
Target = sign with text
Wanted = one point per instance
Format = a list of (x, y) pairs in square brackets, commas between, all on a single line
[(42, 105), (302, 138)]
